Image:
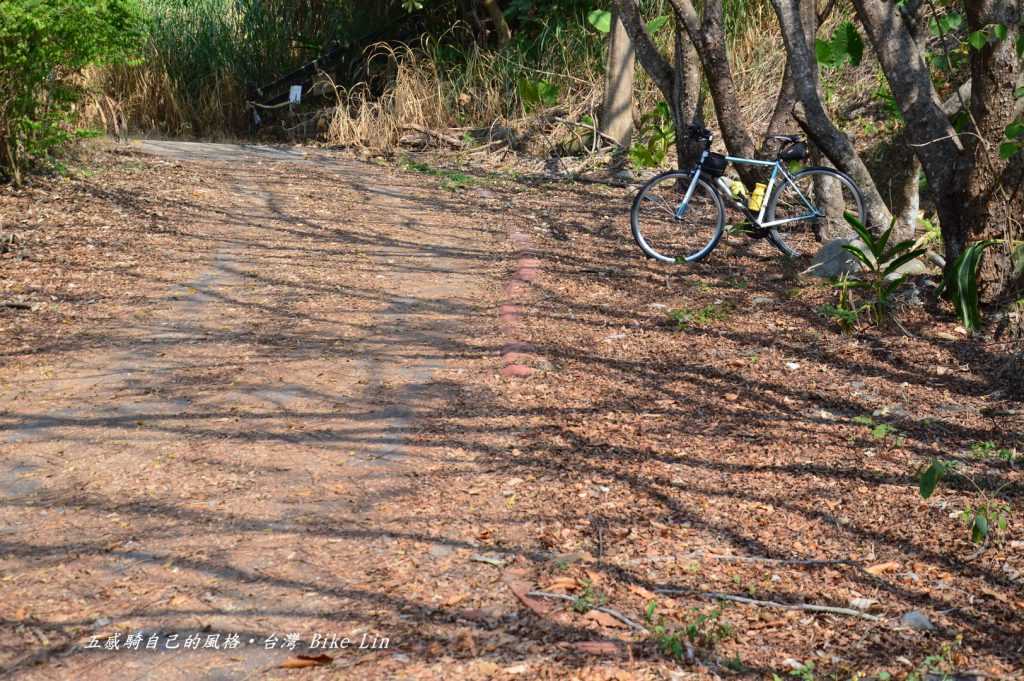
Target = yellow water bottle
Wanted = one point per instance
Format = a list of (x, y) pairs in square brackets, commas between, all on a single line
[(757, 197)]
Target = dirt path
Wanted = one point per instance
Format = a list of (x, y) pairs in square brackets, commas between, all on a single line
[(263, 392), (229, 455)]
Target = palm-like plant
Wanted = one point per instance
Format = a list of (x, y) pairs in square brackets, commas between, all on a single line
[(880, 263)]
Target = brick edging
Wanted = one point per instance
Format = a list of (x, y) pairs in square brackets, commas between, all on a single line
[(516, 352)]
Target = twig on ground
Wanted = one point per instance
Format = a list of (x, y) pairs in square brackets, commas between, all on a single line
[(742, 559), (453, 141), (903, 328), (589, 128), (479, 558), (773, 604), (608, 611), (16, 305), (976, 554)]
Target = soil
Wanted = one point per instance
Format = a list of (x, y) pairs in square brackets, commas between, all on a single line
[(266, 392)]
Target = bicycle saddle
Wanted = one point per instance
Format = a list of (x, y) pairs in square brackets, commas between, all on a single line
[(791, 139)]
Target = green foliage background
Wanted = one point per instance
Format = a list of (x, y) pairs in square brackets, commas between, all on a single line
[(44, 46)]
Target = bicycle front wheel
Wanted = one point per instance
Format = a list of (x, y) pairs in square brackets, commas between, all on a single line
[(672, 229), (812, 206)]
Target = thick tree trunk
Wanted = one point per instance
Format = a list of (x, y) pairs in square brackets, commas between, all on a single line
[(928, 130), (501, 30), (971, 184), (617, 113), (812, 115), (782, 120), (679, 84), (991, 211)]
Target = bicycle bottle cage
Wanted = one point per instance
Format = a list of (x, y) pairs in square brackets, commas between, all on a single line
[(794, 151), (714, 165)]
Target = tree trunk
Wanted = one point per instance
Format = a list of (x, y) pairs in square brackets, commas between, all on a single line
[(656, 66), (991, 210), (617, 113), (815, 120), (783, 121), (708, 36), (928, 130), (689, 104), (679, 85), (497, 17), (973, 187)]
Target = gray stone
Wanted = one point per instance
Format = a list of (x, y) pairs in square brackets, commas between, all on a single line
[(917, 620), (913, 268), (832, 260)]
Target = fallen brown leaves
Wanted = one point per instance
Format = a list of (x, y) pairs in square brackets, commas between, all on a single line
[(643, 458)]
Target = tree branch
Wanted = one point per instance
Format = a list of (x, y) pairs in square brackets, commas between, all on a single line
[(774, 604)]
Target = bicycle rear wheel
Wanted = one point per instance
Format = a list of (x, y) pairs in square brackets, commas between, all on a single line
[(814, 203), (670, 231)]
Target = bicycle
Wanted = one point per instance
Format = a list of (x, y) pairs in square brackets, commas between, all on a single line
[(684, 213)]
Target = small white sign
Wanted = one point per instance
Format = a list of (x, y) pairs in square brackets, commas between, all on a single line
[(295, 94)]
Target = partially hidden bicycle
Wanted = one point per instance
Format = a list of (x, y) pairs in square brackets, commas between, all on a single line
[(679, 216)]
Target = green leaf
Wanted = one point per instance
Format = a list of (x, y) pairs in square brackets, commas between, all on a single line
[(656, 24), (859, 254), (601, 19), (823, 53), (979, 528), (845, 46), (892, 286), (1019, 93), (1008, 150), (1015, 129), (895, 264), (858, 227), (966, 271), (847, 42), (881, 430), (537, 92), (930, 478), (864, 420), (978, 39), (999, 31), (878, 247), (548, 92), (528, 92)]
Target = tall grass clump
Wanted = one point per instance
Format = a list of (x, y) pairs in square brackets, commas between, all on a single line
[(433, 68), (203, 56)]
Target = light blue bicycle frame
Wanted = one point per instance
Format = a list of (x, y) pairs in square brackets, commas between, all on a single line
[(777, 169)]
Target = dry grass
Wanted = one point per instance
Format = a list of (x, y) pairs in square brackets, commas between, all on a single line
[(480, 96), (150, 101), (447, 82)]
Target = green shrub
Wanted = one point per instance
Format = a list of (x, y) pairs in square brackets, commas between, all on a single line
[(960, 284), (44, 46), (879, 275)]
